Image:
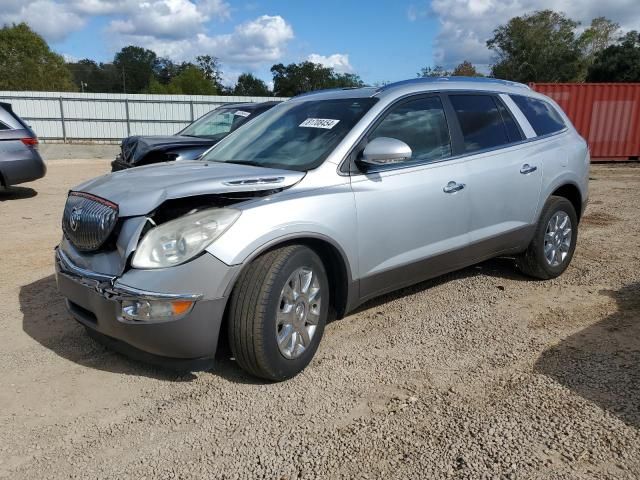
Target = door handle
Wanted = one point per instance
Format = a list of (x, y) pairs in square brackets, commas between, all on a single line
[(526, 168), (453, 187)]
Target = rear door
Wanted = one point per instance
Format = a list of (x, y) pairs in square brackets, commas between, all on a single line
[(414, 216), (505, 174)]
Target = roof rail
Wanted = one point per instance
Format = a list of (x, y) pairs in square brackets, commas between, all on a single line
[(418, 81)]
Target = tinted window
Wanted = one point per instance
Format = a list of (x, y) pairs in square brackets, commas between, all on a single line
[(4, 126), (543, 117), (421, 124), (513, 131), (480, 121), (296, 135)]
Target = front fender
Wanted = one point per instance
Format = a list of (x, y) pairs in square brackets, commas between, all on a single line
[(325, 214)]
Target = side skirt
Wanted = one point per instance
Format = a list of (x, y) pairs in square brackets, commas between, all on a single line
[(515, 241)]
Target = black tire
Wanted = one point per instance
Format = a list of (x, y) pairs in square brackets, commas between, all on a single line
[(533, 261), (253, 308)]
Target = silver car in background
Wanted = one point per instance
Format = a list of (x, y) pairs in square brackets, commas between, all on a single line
[(20, 161), (323, 202)]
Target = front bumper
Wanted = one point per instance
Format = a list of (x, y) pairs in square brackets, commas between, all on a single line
[(187, 343)]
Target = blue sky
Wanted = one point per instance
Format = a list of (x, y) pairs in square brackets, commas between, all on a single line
[(382, 43), (385, 40)]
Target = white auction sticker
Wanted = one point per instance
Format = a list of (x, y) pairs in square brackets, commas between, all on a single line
[(242, 113), (327, 123)]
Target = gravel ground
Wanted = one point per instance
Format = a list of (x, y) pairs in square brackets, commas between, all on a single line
[(481, 374)]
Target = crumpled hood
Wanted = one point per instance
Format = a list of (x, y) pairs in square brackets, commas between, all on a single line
[(140, 190), (136, 148)]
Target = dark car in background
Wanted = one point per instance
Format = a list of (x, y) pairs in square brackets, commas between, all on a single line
[(191, 142), (20, 161)]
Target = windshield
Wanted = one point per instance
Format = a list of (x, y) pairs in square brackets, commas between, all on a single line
[(295, 135), (217, 124)]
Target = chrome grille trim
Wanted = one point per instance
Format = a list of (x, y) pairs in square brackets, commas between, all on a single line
[(88, 220)]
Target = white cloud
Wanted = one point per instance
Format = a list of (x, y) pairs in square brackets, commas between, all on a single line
[(338, 61), (255, 42), (161, 18), (51, 19), (180, 29), (467, 24)]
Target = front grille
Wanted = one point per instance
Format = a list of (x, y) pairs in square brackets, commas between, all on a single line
[(88, 220)]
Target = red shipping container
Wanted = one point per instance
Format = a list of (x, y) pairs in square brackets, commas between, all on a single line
[(607, 115)]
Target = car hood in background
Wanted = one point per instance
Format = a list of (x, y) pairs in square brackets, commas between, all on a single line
[(136, 148), (139, 190)]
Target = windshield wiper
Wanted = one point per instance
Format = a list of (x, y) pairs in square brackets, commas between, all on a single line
[(244, 162)]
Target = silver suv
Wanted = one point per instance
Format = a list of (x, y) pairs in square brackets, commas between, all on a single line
[(318, 205)]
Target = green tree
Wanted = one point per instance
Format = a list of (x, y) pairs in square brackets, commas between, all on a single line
[(250, 85), (466, 69), (296, 78), (89, 76), (539, 47), (136, 66), (437, 71), (210, 67), (602, 33), (27, 62), (347, 80), (618, 63), (191, 81)]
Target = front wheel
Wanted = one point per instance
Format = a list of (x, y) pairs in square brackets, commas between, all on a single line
[(554, 241), (278, 311)]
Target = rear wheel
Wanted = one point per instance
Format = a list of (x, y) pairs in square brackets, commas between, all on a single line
[(278, 311), (554, 241)]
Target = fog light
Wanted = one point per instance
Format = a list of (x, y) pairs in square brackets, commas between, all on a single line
[(155, 310)]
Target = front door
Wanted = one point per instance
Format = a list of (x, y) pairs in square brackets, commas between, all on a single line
[(414, 216)]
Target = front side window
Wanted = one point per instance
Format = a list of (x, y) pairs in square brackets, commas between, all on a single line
[(295, 135), (480, 121), (216, 124), (422, 125), (543, 117)]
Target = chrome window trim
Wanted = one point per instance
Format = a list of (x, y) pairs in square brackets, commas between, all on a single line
[(418, 163)]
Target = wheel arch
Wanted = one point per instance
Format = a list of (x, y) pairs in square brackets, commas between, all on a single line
[(342, 290), (571, 192)]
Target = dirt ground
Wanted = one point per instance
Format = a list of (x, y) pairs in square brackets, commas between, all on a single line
[(481, 374)]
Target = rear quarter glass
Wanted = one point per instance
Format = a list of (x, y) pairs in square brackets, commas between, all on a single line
[(543, 117)]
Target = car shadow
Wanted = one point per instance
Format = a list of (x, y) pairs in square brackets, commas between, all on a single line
[(16, 193), (501, 267), (46, 320), (602, 362)]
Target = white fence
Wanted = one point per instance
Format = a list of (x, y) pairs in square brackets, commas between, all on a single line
[(109, 117)]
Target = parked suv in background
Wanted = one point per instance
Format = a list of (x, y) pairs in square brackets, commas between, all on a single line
[(190, 143), (320, 204), (20, 161)]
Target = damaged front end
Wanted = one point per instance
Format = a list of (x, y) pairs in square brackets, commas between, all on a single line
[(131, 259)]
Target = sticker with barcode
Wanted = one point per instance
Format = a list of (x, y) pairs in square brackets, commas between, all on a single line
[(326, 123), (242, 113)]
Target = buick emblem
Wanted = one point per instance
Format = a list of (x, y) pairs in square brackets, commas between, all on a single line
[(74, 220)]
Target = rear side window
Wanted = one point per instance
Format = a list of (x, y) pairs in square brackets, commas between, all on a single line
[(4, 126), (422, 125), (480, 121), (543, 117)]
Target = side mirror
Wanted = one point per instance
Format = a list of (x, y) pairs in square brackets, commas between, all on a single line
[(385, 151)]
